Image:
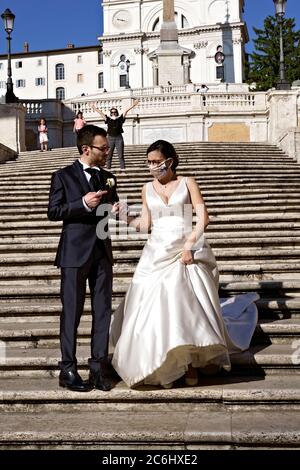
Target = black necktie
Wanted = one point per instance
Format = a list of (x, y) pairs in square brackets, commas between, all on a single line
[(95, 180)]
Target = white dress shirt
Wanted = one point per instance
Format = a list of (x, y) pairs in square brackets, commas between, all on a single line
[(88, 177)]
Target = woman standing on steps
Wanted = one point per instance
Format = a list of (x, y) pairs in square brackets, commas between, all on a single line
[(171, 322), (79, 122), (114, 131), (43, 134)]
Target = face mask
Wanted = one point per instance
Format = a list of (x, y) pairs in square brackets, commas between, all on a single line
[(113, 116), (159, 171)]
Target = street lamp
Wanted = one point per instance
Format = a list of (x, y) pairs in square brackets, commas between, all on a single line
[(8, 18), (282, 83)]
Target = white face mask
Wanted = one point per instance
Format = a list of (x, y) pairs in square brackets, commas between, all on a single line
[(159, 171)]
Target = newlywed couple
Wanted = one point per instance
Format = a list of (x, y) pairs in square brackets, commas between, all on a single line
[(170, 322)]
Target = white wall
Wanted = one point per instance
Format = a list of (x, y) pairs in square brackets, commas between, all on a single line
[(12, 126), (87, 66)]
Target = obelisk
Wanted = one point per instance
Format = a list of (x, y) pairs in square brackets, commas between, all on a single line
[(168, 32), (169, 57)]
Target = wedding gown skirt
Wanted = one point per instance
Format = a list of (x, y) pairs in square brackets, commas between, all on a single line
[(171, 315)]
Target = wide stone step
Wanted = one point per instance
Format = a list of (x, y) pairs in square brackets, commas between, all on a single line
[(127, 253), (271, 359), (216, 228), (204, 169), (8, 198), (15, 211), (224, 176), (209, 181), (126, 241), (242, 271), (159, 427), (37, 308), (43, 333), (207, 187), (213, 236), (41, 194), (36, 220), (119, 289), (223, 390), (221, 206), (185, 158)]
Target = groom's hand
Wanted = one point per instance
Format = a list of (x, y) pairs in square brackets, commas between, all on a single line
[(93, 199)]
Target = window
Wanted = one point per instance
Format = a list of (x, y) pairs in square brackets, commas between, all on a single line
[(79, 78), (100, 57), (123, 80), (40, 81), (1, 65), (19, 64), (40, 62), (60, 93), (100, 80), (59, 72), (180, 21), (79, 58), (2, 84), (20, 83), (156, 25), (184, 22), (220, 72)]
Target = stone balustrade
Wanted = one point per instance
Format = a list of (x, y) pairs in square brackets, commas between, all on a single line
[(33, 108), (180, 113)]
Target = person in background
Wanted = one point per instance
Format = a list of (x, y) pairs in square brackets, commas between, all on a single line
[(79, 122), (203, 89), (43, 134), (114, 132)]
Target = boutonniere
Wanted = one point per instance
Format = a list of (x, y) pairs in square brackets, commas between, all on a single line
[(110, 182)]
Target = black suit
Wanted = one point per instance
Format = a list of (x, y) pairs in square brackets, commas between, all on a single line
[(82, 256)]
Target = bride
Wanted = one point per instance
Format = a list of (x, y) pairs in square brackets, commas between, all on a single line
[(171, 322)]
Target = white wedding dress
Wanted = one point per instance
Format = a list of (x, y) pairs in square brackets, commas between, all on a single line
[(171, 315)]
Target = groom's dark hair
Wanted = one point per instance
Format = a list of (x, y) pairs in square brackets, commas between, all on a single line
[(87, 134), (167, 150)]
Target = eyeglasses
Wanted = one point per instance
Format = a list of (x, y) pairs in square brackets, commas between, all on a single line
[(113, 112), (105, 148)]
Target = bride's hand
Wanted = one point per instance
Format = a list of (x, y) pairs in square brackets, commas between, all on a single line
[(115, 208), (187, 257), (123, 210)]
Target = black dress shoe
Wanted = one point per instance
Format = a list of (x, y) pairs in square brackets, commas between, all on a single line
[(72, 380), (100, 381)]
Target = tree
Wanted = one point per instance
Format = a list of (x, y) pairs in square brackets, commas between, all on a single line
[(264, 61)]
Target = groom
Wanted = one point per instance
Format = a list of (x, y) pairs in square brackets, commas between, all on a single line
[(75, 194)]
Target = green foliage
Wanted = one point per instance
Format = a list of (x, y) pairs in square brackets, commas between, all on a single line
[(264, 61)]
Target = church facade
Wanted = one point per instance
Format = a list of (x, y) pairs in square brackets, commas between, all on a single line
[(212, 30)]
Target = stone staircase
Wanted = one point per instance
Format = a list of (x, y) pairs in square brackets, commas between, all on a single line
[(253, 196)]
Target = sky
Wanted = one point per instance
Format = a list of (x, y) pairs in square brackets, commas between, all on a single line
[(52, 24)]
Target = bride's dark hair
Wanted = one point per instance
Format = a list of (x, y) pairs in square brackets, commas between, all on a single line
[(167, 150)]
